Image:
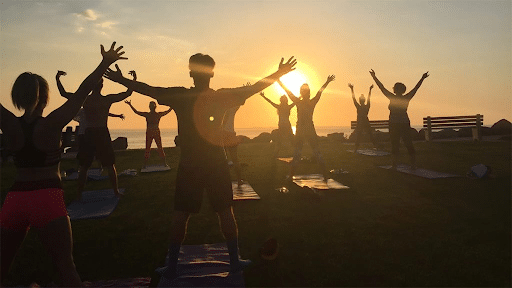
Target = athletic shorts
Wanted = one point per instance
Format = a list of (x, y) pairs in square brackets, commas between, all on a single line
[(35, 208), (191, 182), (96, 142)]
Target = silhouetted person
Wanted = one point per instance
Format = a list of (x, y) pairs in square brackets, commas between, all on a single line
[(96, 140), (80, 116), (36, 199), (200, 111), (363, 123), (399, 124), (284, 127), (305, 127), (152, 129)]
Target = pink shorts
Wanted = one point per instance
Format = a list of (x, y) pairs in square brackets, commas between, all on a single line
[(36, 208)]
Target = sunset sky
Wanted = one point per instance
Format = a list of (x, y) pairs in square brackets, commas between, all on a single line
[(465, 46)]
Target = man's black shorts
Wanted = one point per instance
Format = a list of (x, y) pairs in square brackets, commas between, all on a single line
[(96, 142), (191, 182)]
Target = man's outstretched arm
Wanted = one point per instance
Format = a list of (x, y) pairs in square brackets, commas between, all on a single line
[(353, 95), (139, 87), (165, 112), (292, 97), (133, 108)]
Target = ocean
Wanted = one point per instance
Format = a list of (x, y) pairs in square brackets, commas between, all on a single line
[(137, 137)]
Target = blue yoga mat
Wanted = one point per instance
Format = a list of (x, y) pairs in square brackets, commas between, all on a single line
[(204, 265), (94, 205)]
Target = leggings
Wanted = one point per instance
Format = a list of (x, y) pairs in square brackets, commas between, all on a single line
[(397, 131), (150, 135)]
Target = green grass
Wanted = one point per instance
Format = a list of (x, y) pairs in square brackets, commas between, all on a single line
[(389, 229)]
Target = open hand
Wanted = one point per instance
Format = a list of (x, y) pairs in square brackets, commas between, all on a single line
[(121, 116), (330, 78), (372, 72), (288, 66), (425, 75), (114, 75), (134, 75), (128, 102), (262, 94), (113, 54), (371, 87), (61, 73)]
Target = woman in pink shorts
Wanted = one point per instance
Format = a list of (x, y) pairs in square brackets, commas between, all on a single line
[(36, 198)]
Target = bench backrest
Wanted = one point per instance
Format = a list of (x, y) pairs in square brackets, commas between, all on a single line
[(375, 124), (437, 123)]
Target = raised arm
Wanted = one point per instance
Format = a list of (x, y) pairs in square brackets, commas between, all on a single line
[(379, 84), (116, 115), (353, 95), (292, 97), (61, 116), (139, 87), (268, 100), (133, 108), (415, 89), (162, 114), (330, 78), (62, 91), (369, 95), (121, 96)]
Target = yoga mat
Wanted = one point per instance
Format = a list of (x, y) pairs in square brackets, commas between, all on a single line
[(155, 168), (317, 181), (244, 192), (420, 172), (204, 265), (286, 159), (92, 174), (131, 282), (370, 152), (94, 205)]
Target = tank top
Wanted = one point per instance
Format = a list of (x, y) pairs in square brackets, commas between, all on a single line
[(29, 156)]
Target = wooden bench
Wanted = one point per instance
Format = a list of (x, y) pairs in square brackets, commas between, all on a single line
[(454, 122), (70, 137), (375, 124)]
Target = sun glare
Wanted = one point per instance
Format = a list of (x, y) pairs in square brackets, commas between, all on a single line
[(292, 81)]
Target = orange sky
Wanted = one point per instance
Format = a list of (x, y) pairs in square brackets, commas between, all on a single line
[(464, 45)]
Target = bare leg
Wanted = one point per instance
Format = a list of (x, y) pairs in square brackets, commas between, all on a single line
[(160, 148), (10, 244), (179, 229), (230, 232), (82, 178), (58, 240), (112, 174)]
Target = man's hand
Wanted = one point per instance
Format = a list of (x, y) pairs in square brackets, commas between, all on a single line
[(372, 72), (425, 75), (113, 54), (330, 78), (116, 76), (128, 102), (134, 75)]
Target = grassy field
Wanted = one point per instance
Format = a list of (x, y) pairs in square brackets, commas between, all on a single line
[(389, 229)]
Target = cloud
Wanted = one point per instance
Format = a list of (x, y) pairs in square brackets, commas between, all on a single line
[(89, 14), (107, 24)]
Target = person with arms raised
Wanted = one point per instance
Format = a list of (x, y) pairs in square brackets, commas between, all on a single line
[(36, 200), (399, 123), (305, 126), (200, 111)]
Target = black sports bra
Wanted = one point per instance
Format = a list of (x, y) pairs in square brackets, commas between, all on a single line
[(29, 156)]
